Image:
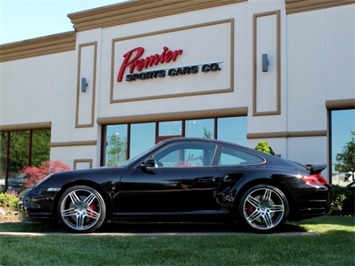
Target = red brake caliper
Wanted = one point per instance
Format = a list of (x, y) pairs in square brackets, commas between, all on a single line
[(250, 209), (93, 209)]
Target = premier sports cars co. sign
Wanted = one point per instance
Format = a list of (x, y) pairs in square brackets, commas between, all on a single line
[(192, 60), (138, 66)]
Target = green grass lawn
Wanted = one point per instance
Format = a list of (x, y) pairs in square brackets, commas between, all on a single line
[(331, 242)]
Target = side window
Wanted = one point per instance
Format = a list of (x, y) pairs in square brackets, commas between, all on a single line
[(186, 155), (231, 156)]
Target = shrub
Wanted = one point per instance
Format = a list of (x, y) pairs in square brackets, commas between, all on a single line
[(264, 147), (342, 200), (9, 200), (36, 174)]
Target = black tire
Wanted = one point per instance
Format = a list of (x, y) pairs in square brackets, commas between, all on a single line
[(263, 208), (81, 209)]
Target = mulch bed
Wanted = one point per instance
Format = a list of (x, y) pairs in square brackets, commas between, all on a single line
[(7, 215)]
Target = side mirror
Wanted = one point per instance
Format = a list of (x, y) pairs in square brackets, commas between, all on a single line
[(148, 163)]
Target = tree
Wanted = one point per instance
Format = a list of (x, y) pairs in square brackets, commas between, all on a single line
[(264, 147), (116, 151), (345, 161), (206, 133), (35, 174)]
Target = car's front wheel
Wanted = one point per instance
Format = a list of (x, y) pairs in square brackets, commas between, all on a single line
[(263, 208), (82, 209)]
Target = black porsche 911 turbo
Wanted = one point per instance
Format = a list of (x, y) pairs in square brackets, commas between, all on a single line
[(183, 178)]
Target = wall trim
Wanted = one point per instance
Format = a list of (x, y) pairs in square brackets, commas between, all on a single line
[(294, 134), (73, 143), (29, 126), (92, 85), (51, 44), (297, 6), (242, 111), (78, 161), (340, 104), (276, 13)]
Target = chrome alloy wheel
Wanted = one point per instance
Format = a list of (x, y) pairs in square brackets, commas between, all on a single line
[(82, 209), (264, 208)]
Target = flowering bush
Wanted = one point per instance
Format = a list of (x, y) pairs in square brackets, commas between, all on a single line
[(36, 174), (9, 200)]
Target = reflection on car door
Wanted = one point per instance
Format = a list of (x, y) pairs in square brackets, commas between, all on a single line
[(182, 181), (180, 189)]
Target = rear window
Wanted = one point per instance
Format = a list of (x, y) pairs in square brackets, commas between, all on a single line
[(231, 156)]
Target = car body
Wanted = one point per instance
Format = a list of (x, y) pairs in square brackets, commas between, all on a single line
[(183, 178), (16, 183)]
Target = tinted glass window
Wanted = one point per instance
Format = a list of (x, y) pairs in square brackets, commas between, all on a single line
[(343, 146), (20, 149), (186, 155), (127, 140), (233, 129), (142, 137), (200, 128), (40, 146), (170, 128), (231, 156), (116, 145)]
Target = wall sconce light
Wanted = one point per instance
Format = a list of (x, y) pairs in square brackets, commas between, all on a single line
[(84, 84), (264, 63)]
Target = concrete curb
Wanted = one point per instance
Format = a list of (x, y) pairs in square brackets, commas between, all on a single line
[(156, 234)]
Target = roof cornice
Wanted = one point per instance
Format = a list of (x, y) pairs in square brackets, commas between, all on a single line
[(297, 6), (138, 10), (39, 46)]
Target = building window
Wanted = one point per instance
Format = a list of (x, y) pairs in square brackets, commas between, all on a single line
[(125, 141), (19, 149), (142, 137), (200, 128), (116, 145), (170, 128), (343, 146), (233, 129)]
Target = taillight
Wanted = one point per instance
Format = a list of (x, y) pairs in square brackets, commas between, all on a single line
[(315, 179)]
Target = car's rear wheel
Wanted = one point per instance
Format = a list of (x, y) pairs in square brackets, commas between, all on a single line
[(263, 208), (82, 209)]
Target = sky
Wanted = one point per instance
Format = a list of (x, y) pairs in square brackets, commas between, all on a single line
[(26, 19)]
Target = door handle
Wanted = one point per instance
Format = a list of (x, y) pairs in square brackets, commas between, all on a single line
[(227, 178)]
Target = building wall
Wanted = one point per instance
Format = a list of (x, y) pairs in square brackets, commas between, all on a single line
[(320, 68)]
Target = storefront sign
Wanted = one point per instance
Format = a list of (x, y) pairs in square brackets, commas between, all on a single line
[(133, 61), (195, 59)]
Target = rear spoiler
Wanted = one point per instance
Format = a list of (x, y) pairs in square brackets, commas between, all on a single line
[(316, 168)]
